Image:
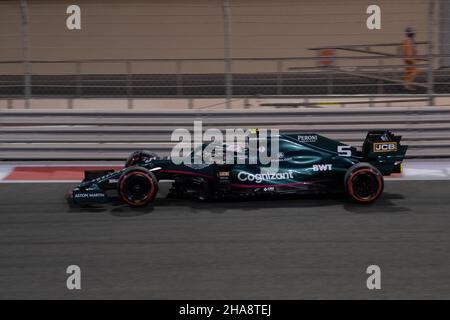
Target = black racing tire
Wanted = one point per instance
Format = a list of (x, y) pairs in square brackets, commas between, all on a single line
[(138, 157), (137, 187), (363, 183)]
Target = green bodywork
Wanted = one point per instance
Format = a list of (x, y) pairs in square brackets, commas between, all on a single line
[(307, 163)]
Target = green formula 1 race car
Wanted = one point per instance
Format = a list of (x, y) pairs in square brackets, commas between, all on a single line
[(306, 163)]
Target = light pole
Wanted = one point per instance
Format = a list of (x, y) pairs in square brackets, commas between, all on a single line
[(227, 51), (26, 52)]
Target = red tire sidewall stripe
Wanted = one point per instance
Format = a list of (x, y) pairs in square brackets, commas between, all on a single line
[(150, 193), (350, 185)]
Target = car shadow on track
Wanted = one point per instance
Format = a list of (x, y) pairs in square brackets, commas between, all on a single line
[(114, 209), (386, 204)]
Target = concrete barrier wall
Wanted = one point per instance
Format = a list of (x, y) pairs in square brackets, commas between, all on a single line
[(94, 135)]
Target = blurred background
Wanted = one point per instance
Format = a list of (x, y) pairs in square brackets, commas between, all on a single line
[(76, 100), (221, 49)]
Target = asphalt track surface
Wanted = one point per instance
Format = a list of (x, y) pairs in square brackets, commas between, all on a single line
[(307, 248)]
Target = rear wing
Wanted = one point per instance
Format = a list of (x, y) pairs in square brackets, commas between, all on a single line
[(383, 150)]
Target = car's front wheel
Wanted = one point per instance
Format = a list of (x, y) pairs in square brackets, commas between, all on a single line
[(364, 183), (137, 187)]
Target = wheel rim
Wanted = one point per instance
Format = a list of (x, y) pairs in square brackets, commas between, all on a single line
[(365, 185), (136, 188)]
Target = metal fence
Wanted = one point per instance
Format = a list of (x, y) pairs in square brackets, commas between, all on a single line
[(40, 66), (381, 78)]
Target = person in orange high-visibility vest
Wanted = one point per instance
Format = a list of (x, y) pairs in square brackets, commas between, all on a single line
[(409, 56)]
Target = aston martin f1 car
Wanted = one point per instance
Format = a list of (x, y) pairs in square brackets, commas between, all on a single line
[(307, 163)]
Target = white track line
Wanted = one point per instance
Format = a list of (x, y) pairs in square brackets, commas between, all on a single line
[(57, 181), (5, 171)]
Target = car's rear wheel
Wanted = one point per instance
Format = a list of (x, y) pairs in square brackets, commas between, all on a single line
[(137, 187), (364, 183)]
